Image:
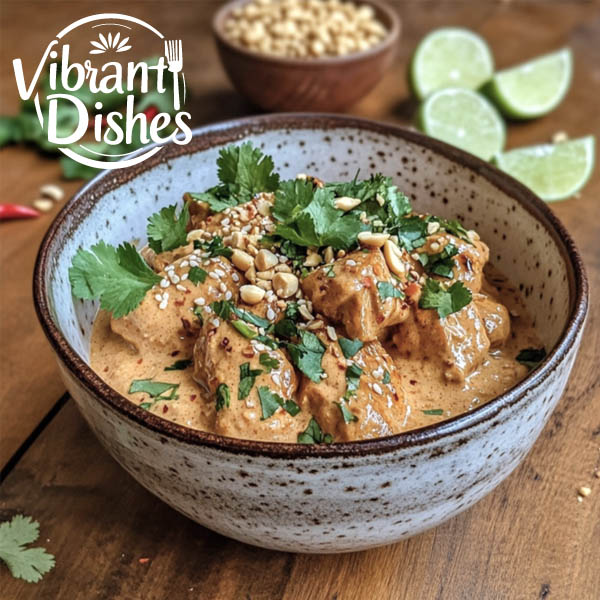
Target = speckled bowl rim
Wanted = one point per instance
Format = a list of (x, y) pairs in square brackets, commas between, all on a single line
[(389, 41), (234, 130)]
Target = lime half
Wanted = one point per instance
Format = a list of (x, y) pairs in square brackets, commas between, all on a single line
[(534, 88), (464, 119), (552, 171), (450, 57)]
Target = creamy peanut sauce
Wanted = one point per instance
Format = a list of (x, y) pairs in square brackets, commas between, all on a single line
[(417, 369)]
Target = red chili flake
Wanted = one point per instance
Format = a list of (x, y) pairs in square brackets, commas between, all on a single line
[(225, 342), (380, 319), (139, 362), (175, 353), (143, 561), (106, 369), (467, 262), (413, 382), (341, 367), (179, 302), (193, 397), (367, 282), (187, 326), (188, 291), (165, 408)]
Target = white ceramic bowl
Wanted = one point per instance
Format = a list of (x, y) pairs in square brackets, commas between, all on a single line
[(339, 497)]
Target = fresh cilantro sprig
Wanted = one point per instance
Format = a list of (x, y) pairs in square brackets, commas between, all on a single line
[(247, 378), (30, 564), (313, 434), (307, 355), (445, 300), (118, 277), (270, 402), (442, 263), (349, 347), (166, 230), (215, 247), (243, 172), (531, 357)]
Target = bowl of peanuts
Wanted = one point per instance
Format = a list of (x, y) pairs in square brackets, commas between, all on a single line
[(306, 55)]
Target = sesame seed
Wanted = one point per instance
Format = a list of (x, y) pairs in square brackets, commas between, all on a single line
[(377, 389), (276, 379), (165, 283), (235, 277), (184, 277), (184, 263), (180, 287), (220, 273), (158, 297), (271, 314), (260, 347), (207, 310), (222, 287), (166, 296), (226, 221), (351, 263), (163, 304), (199, 301), (331, 333), (213, 275), (216, 322), (228, 295)]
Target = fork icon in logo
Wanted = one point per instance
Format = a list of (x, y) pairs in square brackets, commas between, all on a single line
[(174, 56)]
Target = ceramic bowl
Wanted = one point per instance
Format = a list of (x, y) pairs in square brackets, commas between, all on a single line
[(338, 497), (325, 84)]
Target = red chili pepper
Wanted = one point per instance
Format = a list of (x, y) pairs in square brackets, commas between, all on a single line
[(17, 211), (151, 112)]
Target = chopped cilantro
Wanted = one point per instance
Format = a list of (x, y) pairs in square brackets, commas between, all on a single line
[(386, 377), (216, 248), (247, 378), (222, 397), (180, 365), (270, 402), (268, 362), (388, 290), (434, 411), (308, 354), (531, 357), (30, 564), (285, 328), (347, 414), (411, 232), (250, 317), (197, 275), (157, 390), (454, 228), (313, 434), (445, 300), (243, 172), (167, 231), (353, 373), (118, 277), (349, 347), (442, 263), (198, 312), (222, 308), (292, 311)]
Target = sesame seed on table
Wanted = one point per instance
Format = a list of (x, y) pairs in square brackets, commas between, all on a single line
[(535, 536)]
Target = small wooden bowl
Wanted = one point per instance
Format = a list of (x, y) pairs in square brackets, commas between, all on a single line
[(298, 84)]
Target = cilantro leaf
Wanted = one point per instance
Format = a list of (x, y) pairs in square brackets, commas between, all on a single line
[(157, 390), (455, 228), (292, 197), (29, 564), (285, 328), (270, 402), (531, 357), (250, 317), (222, 308), (386, 377), (268, 362), (216, 248), (222, 397), (243, 171), (353, 374), (197, 275), (247, 378), (119, 277), (313, 434), (308, 354), (349, 347), (180, 365), (347, 414), (446, 300), (167, 231), (388, 290), (442, 263), (434, 411), (411, 232)]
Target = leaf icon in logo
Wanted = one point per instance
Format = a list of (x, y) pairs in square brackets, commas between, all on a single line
[(109, 42)]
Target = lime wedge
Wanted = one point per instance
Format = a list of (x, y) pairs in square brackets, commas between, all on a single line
[(464, 119), (552, 171), (450, 57), (534, 88)]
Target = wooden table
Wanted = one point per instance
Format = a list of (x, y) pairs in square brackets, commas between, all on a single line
[(531, 538)]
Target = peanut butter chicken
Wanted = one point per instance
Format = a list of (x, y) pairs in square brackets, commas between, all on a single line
[(301, 311)]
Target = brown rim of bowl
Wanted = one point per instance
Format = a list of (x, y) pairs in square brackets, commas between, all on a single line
[(382, 8), (231, 131)]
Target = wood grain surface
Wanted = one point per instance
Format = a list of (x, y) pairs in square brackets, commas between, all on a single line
[(530, 539)]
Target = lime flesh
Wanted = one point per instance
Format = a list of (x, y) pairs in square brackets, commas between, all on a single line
[(464, 119), (450, 57), (534, 88), (552, 171)]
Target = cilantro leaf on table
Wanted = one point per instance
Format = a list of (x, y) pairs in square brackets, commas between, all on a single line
[(442, 263), (243, 172), (445, 300), (166, 230), (307, 355), (349, 347), (318, 223), (313, 434), (389, 290), (30, 564), (119, 277), (270, 402), (247, 378), (531, 357)]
